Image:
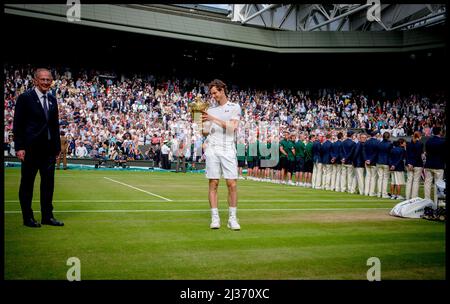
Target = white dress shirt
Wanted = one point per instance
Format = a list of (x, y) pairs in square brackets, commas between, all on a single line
[(41, 98)]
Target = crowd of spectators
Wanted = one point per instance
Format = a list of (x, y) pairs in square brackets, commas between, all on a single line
[(107, 116)]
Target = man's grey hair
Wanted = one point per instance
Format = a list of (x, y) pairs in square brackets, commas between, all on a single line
[(36, 73)]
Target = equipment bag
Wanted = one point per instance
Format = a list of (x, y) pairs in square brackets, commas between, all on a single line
[(412, 208)]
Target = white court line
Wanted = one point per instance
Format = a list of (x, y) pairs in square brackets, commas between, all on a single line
[(97, 201), (166, 199), (294, 200), (200, 210), (204, 200)]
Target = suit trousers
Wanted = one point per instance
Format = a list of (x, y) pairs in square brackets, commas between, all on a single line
[(413, 182), (317, 175), (336, 177), (165, 163), (347, 178), (37, 160), (360, 180), (370, 181), (430, 176), (326, 176), (383, 179)]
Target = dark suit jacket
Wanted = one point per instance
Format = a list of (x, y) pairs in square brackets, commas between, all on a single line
[(326, 152), (370, 150), (435, 148), (397, 158), (30, 125), (358, 155), (316, 148), (348, 147), (414, 154), (384, 150), (336, 152)]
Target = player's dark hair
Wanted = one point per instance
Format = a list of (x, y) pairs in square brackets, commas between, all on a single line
[(386, 135), (219, 84), (340, 135)]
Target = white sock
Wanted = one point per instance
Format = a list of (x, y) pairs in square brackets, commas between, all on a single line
[(232, 211), (214, 212)]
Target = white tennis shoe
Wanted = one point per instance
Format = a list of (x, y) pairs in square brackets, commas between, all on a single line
[(215, 222), (233, 223)]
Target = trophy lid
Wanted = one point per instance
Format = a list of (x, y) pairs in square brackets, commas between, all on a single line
[(198, 105)]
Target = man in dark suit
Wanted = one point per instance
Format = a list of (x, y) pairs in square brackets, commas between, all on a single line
[(37, 142), (348, 171), (336, 165), (359, 162), (317, 164), (435, 151), (326, 163), (370, 151), (383, 151)]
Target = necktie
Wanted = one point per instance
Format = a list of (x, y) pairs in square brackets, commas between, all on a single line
[(46, 113), (45, 106)]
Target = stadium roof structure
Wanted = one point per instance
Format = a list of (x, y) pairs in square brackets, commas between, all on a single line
[(339, 17), (280, 28)]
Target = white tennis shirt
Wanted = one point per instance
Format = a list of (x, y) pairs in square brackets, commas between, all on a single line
[(218, 135)]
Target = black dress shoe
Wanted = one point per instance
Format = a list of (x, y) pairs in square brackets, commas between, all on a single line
[(31, 223), (52, 221)]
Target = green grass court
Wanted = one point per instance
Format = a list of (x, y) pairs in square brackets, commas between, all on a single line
[(160, 230)]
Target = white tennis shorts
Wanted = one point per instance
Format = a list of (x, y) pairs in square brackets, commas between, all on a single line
[(221, 161), (398, 178)]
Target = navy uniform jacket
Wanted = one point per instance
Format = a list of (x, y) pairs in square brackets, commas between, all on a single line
[(326, 152), (435, 149), (370, 150), (348, 146), (358, 155), (397, 158), (336, 148), (384, 150), (316, 148), (414, 154)]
